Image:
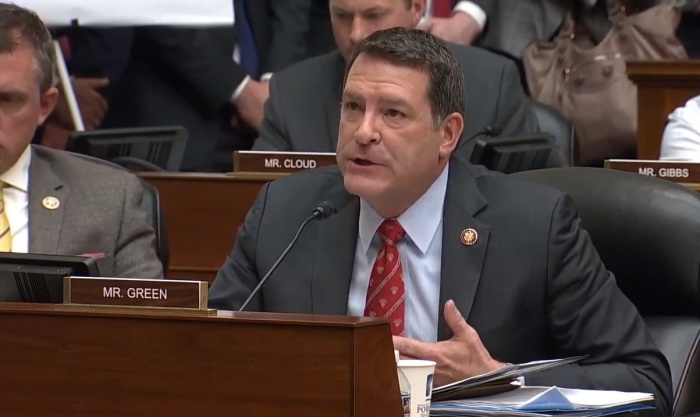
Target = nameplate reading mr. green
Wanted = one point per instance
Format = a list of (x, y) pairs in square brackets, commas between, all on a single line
[(127, 292)]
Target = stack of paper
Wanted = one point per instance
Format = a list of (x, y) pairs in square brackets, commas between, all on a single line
[(497, 381), (546, 401)]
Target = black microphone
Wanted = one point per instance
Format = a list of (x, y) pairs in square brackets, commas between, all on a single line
[(488, 131), (322, 211)]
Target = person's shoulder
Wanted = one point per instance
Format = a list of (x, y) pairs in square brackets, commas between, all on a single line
[(309, 70), (312, 179), (503, 187), (292, 198), (476, 56), (689, 112), (83, 169)]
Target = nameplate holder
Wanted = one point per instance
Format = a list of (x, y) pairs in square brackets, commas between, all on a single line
[(280, 162), (133, 292), (679, 172)]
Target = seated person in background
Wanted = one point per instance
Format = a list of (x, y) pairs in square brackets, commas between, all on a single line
[(472, 268), (303, 110), (681, 139), (55, 202)]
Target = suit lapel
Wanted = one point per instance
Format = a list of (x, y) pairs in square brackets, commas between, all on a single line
[(332, 105), (461, 263), (45, 223), (334, 259)]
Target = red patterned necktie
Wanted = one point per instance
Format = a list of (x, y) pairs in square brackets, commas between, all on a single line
[(386, 294), (442, 8)]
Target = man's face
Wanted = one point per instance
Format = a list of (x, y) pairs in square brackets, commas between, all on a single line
[(354, 20), (388, 148), (22, 105)]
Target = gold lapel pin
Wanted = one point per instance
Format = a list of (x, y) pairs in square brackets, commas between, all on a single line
[(469, 237), (50, 203)]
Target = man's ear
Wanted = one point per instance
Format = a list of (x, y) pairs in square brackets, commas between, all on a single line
[(418, 8), (451, 129), (47, 103)]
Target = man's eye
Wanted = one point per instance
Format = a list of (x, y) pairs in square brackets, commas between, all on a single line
[(394, 114)]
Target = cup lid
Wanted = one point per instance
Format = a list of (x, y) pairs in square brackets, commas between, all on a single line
[(415, 363)]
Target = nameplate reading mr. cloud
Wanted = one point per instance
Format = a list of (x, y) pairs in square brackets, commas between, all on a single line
[(126, 292), (280, 162)]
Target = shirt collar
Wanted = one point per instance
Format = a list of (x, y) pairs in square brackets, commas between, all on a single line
[(420, 221), (18, 175)]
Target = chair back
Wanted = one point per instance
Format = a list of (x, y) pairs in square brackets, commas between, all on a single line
[(552, 122), (151, 204), (647, 232), (138, 149)]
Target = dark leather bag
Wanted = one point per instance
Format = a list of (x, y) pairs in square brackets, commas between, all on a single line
[(588, 82)]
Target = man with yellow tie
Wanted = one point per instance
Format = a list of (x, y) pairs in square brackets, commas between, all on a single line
[(53, 202)]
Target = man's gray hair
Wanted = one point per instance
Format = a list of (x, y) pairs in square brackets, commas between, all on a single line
[(18, 24)]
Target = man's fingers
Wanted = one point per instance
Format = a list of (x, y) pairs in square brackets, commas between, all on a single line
[(456, 321), (414, 348)]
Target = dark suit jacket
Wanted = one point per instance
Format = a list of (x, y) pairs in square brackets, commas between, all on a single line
[(303, 112), (320, 39), (99, 212), (689, 34), (187, 76), (532, 286), (281, 29), (181, 76), (98, 53)]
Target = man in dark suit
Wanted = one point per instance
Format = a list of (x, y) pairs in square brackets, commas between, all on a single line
[(187, 76), (302, 113), (471, 268)]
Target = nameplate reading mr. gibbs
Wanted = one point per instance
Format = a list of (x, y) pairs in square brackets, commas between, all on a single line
[(128, 292), (680, 172), (280, 162)]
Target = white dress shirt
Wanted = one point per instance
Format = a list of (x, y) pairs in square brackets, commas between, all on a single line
[(420, 252), (16, 198), (681, 139), (468, 7)]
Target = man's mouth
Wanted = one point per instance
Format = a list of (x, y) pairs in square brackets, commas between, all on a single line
[(363, 162)]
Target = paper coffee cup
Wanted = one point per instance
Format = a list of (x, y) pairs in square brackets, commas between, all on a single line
[(416, 377)]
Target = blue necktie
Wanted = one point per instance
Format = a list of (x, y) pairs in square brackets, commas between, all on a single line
[(246, 42)]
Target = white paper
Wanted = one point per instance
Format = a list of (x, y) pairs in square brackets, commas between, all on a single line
[(132, 12), (591, 398)]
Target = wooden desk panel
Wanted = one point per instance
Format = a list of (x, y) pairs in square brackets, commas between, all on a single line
[(202, 215), (661, 88), (63, 361)]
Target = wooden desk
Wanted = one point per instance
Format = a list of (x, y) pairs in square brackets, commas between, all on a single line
[(202, 215), (60, 361), (661, 88)]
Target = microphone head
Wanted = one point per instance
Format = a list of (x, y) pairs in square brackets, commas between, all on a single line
[(324, 210), (493, 130)]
